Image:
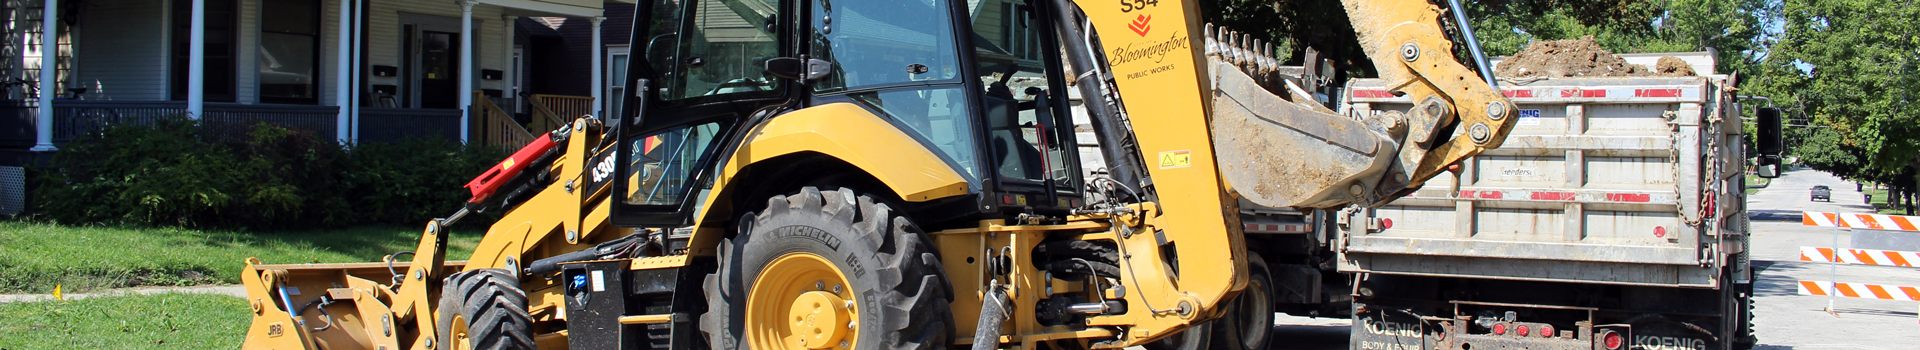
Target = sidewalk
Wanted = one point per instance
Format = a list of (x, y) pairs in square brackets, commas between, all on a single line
[(228, 290)]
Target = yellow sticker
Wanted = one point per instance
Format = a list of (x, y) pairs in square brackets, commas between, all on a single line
[(1176, 159), (507, 164)]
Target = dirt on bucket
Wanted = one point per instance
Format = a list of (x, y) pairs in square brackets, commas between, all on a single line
[(1571, 58)]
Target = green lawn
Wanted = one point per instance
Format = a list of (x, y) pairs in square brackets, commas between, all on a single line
[(164, 321), (1755, 183), (36, 256), (1880, 202)]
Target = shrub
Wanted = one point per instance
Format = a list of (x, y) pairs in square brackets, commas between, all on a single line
[(173, 172)]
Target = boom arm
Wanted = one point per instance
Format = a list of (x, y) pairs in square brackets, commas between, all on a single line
[(1280, 153)]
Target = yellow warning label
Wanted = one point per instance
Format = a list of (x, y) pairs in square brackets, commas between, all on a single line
[(507, 164), (1176, 159)]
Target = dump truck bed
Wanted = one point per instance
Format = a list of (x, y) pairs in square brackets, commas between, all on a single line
[(1632, 181)]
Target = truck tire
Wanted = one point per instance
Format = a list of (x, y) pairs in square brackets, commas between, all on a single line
[(1197, 337), (483, 310), (1248, 323), (842, 271)]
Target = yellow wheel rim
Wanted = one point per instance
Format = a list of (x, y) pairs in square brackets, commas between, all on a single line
[(459, 334), (801, 301)]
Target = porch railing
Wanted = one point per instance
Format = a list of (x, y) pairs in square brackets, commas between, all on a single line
[(16, 124), (552, 111), (499, 128), (226, 121), (234, 121), (395, 124), (73, 118)]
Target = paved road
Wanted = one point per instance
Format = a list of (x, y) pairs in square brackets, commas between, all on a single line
[(1786, 320)]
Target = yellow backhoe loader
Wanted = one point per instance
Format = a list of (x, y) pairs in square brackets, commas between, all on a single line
[(903, 174)]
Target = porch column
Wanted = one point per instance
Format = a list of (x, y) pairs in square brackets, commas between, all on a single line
[(511, 90), (466, 66), (196, 62), (599, 69), (343, 86), (49, 60)]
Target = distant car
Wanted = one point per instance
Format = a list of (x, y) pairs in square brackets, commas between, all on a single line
[(1822, 193)]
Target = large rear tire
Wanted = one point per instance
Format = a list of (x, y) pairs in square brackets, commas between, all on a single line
[(1196, 337), (828, 270), (1248, 324), (484, 310)]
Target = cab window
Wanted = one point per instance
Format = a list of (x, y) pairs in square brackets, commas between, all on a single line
[(708, 48)]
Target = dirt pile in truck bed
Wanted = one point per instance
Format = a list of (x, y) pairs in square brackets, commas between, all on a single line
[(1670, 66), (1578, 58)]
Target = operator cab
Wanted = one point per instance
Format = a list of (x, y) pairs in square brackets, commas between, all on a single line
[(975, 82)]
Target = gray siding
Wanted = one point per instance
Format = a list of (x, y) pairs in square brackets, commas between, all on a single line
[(121, 50)]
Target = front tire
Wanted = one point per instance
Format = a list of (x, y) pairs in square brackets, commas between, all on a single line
[(828, 270), (483, 310), (1248, 324)]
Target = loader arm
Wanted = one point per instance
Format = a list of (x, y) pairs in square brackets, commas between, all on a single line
[(1189, 118), (1278, 151)]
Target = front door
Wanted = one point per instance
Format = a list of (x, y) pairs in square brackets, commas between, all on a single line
[(703, 62), (439, 71)]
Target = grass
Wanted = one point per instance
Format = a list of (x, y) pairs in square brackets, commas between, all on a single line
[(1880, 202), (1755, 183), (34, 257), (163, 321)]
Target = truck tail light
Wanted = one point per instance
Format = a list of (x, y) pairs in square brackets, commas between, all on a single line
[(1521, 331), (1612, 340), (1546, 331), (1500, 329)]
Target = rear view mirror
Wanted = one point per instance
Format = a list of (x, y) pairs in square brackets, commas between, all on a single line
[(1768, 170), (1767, 140), (1768, 135), (797, 69)]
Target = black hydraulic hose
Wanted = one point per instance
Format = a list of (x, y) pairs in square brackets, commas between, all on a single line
[(1122, 165)]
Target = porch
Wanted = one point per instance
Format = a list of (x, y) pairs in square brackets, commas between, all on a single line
[(347, 70), (230, 121)]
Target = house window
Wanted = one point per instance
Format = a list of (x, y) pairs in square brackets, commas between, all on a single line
[(1022, 41), (616, 78), (221, 45), (290, 51)]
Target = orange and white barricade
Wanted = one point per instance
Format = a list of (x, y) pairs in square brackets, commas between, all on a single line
[(1867, 221), (1860, 256), (1859, 290)]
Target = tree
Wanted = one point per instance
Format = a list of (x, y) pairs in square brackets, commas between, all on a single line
[(1857, 75)]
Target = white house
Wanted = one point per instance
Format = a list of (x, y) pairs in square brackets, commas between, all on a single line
[(412, 67)]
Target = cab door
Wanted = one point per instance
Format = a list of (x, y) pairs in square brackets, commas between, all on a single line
[(699, 77)]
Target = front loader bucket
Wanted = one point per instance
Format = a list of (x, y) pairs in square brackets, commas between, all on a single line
[(1280, 154), (327, 306)]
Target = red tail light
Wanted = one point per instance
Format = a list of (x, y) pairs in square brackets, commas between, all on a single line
[(1546, 331), (1386, 224), (1500, 329), (1612, 340), (1522, 331)]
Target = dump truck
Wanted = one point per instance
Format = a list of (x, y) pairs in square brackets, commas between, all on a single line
[(1614, 217), (879, 174)]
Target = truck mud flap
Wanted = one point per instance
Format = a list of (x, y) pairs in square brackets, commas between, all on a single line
[(1376, 328)]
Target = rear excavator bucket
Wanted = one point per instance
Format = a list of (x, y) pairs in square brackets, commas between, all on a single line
[(1274, 151), (1278, 148), (1271, 151)]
